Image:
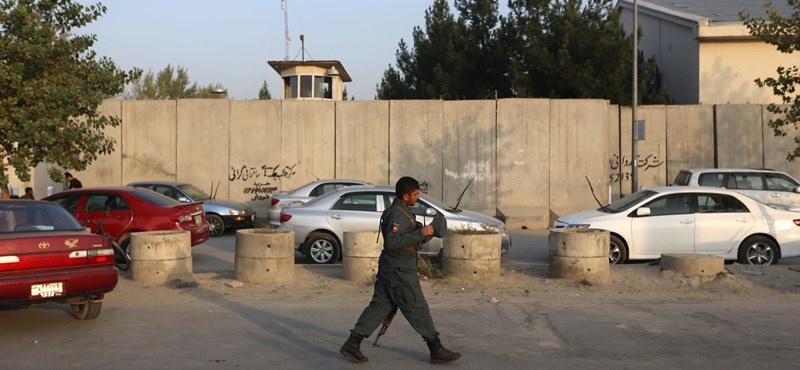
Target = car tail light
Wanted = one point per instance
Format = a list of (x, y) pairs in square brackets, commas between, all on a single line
[(285, 217), (275, 201), (796, 222), (181, 218), (101, 256)]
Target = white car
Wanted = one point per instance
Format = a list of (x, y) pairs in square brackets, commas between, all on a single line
[(689, 219), (766, 186), (320, 224), (303, 194)]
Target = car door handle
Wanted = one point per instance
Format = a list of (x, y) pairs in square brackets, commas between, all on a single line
[(777, 195), (336, 217), (741, 220), (687, 222)]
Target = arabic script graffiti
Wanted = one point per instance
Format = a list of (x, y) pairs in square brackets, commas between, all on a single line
[(624, 166), (246, 172)]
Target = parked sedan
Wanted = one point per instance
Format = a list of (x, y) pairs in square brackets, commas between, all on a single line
[(766, 186), (221, 214), (700, 220), (303, 194), (320, 224), (124, 210), (46, 255)]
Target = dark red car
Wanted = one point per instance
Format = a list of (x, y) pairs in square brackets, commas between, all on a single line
[(46, 255), (124, 210)]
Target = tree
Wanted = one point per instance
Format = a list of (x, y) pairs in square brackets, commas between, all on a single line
[(170, 83), (783, 33), (51, 84), (263, 94)]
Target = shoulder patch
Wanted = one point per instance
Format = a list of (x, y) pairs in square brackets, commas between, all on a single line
[(394, 228)]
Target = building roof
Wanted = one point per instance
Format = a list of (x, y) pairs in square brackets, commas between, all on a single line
[(716, 11), (280, 65)]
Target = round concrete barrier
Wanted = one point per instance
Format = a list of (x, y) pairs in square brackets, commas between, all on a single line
[(360, 252), (579, 253), (158, 257), (693, 264), (264, 255), (472, 256)]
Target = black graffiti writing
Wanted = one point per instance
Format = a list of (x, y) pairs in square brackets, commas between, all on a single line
[(646, 163), (424, 187), (245, 172), (260, 190)]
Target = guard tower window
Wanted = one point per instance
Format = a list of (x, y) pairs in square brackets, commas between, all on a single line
[(322, 87), (290, 87)]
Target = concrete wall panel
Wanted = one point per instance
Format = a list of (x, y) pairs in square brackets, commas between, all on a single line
[(523, 157), (690, 138), (651, 152), (202, 146), (615, 189), (106, 170), (739, 131), (308, 142), (255, 168), (148, 140), (362, 141), (468, 149), (578, 148), (415, 143)]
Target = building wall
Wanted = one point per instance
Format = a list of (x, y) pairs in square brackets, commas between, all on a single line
[(728, 69)]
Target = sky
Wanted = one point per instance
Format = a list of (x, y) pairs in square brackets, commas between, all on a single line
[(230, 42)]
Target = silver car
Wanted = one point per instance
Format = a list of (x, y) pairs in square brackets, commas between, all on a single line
[(303, 194), (319, 225), (766, 186)]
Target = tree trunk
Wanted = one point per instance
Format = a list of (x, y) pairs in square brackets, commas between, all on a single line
[(6, 192)]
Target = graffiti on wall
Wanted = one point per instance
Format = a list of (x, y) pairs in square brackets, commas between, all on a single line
[(472, 170), (424, 186), (622, 166), (263, 177)]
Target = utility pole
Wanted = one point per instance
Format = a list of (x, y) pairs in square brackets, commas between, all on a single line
[(285, 8), (634, 123)]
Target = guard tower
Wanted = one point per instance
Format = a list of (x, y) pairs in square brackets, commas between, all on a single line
[(311, 79)]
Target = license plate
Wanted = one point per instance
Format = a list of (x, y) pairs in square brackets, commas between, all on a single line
[(47, 290), (197, 220), (252, 218)]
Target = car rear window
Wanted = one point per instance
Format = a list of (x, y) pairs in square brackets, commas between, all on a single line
[(155, 198), (682, 179), (711, 179), (27, 217)]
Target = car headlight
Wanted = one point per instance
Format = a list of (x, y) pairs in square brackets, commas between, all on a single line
[(492, 228), (579, 226), (234, 212)]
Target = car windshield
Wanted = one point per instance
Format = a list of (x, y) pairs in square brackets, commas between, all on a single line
[(27, 217), (193, 192), (627, 202), (155, 198)]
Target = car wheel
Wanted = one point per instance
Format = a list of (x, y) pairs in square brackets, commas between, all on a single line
[(322, 248), (617, 252), (758, 250), (215, 225), (87, 310)]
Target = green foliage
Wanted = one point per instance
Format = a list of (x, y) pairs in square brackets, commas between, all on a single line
[(51, 84), (263, 93), (783, 33), (542, 48), (171, 83)]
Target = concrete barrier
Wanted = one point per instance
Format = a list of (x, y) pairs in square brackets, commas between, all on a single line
[(578, 254), (472, 256), (360, 254), (158, 257), (693, 264), (264, 256)]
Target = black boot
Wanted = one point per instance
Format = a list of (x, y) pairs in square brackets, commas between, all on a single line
[(352, 348), (439, 354)]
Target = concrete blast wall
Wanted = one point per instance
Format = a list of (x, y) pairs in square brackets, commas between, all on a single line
[(528, 158)]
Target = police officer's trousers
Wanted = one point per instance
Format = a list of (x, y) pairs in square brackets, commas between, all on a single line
[(405, 295)]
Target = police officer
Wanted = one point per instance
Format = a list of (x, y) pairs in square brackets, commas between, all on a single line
[(397, 285)]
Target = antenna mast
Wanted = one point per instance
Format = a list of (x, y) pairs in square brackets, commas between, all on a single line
[(285, 9)]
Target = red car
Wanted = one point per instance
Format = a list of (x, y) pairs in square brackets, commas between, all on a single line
[(124, 210), (46, 255)]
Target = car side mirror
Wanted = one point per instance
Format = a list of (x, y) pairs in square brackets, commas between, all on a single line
[(796, 190), (644, 211), (183, 199), (431, 212)]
